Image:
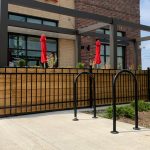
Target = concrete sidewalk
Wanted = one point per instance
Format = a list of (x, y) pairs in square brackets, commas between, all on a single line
[(57, 131)]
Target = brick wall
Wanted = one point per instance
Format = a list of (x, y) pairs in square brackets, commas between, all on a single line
[(123, 9)]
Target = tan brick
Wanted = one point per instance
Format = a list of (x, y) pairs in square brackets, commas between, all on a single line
[(66, 53)]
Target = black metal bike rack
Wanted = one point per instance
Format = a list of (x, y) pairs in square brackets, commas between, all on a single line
[(114, 100), (75, 94)]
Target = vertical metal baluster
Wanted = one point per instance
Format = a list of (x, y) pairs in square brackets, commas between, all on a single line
[(62, 91), (66, 91), (40, 90), (10, 95), (84, 94), (31, 93), (49, 89), (26, 89), (54, 105), (21, 92), (36, 92), (58, 93), (16, 94), (70, 88), (45, 89), (5, 94), (104, 86)]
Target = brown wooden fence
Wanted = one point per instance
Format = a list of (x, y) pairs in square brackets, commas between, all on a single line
[(32, 90)]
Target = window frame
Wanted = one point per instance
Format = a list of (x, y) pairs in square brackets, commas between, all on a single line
[(26, 46), (33, 17)]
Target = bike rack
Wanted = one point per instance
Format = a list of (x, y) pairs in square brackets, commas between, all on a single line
[(114, 100), (75, 94)]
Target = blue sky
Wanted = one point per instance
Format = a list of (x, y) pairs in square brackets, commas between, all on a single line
[(145, 19)]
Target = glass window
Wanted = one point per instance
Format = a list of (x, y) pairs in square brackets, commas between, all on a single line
[(31, 19), (107, 50), (105, 56), (13, 41), (33, 43), (51, 45), (17, 17), (107, 60), (100, 31), (17, 41), (28, 48), (33, 63), (102, 49), (119, 63), (49, 23), (107, 32), (120, 34), (102, 63), (34, 20), (33, 54), (18, 52), (21, 42), (119, 51)]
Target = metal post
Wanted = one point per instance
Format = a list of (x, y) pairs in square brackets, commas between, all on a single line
[(136, 107), (113, 45), (148, 75), (75, 100), (3, 32), (114, 107), (91, 102), (135, 54), (114, 101), (94, 98)]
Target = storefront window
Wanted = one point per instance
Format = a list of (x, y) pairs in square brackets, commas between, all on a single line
[(105, 57), (28, 48), (105, 52)]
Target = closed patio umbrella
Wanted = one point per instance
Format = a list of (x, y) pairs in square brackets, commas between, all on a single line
[(43, 50), (97, 55)]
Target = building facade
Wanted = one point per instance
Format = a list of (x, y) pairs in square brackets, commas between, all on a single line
[(128, 10), (24, 43)]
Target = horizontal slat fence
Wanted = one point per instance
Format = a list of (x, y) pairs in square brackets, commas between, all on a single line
[(33, 90)]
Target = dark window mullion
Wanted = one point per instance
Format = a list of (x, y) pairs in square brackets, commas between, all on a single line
[(26, 38)]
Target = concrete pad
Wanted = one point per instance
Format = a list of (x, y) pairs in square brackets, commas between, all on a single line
[(57, 131)]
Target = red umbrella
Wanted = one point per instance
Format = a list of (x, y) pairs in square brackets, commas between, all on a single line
[(97, 56), (43, 49)]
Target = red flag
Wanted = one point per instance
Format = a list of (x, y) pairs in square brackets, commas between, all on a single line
[(97, 55), (43, 49)]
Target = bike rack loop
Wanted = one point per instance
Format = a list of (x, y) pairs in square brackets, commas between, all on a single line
[(75, 94), (114, 100)]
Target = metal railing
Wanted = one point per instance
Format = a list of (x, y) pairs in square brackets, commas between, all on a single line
[(34, 90)]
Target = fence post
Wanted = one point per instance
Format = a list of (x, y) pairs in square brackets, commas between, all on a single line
[(91, 102), (148, 76)]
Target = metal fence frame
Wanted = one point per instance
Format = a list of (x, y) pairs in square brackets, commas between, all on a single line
[(23, 92)]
